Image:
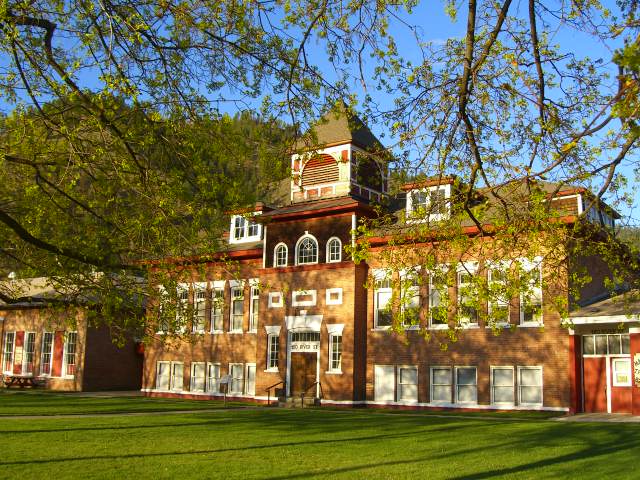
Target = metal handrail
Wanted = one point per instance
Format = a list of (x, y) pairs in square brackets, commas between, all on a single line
[(312, 385), (268, 390)]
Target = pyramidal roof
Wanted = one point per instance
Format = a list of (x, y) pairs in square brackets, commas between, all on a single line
[(339, 125)]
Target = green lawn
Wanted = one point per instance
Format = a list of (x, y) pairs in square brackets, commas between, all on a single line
[(282, 444), (39, 403)]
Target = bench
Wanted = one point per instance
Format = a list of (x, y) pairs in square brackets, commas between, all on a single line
[(22, 381)]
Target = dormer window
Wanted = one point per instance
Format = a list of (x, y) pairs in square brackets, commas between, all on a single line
[(244, 229), (429, 204)]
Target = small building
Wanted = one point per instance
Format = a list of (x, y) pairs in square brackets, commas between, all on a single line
[(55, 345)]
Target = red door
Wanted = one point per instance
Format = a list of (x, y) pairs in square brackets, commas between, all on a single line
[(620, 375), (595, 384), (303, 373)]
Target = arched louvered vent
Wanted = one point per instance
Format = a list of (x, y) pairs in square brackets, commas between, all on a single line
[(320, 169)]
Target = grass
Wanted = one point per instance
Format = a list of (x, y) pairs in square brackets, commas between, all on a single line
[(39, 403), (281, 444)]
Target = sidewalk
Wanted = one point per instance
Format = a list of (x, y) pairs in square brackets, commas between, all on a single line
[(599, 417)]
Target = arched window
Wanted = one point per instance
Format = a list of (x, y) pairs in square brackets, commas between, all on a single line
[(334, 250), (280, 254), (306, 250)]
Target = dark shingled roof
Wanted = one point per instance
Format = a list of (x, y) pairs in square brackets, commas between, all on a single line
[(626, 304), (311, 205), (340, 125)]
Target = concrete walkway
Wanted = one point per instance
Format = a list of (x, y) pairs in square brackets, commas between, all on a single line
[(599, 417)]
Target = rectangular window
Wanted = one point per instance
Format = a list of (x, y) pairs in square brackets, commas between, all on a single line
[(530, 385), (502, 385), (498, 301), (47, 354), (531, 297), (7, 355), (333, 296), (303, 298), (237, 308), (213, 377), (197, 377), (429, 204), (70, 347), (335, 352), (384, 383), (438, 300), (250, 384), (467, 295), (441, 384), (200, 308), (217, 307), (466, 385), (182, 308), (408, 384), (411, 299), (383, 303), (275, 300), (255, 309), (163, 375), (177, 376), (236, 370), (605, 344), (29, 353), (239, 228), (272, 352), (621, 372)]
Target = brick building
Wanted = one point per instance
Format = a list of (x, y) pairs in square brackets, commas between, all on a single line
[(58, 347), (302, 317)]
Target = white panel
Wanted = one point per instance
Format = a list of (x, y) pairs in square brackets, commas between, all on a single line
[(384, 383)]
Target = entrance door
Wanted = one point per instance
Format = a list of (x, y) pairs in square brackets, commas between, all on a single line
[(303, 373), (595, 384)]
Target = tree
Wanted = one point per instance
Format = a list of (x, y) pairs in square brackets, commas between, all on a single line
[(119, 91)]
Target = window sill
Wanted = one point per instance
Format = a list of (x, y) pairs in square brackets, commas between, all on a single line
[(380, 329), (272, 370), (411, 327), (333, 372), (217, 332), (531, 325), (470, 326), (236, 332), (499, 325), (438, 327)]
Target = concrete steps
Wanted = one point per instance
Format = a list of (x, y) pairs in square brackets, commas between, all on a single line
[(297, 402)]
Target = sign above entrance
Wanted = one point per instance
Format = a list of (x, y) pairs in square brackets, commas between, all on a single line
[(306, 322), (305, 346)]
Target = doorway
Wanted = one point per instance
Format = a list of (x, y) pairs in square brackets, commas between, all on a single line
[(303, 372)]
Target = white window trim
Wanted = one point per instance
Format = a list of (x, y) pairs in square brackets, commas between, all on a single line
[(307, 235), (528, 265), (200, 287), (275, 255), (434, 216), (379, 275), (245, 237), (398, 378), (63, 373), (451, 384), (304, 303), (192, 377), (328, 300), (24, 353), (207, 386), (532, 367), (272, 333), (615, 383), (503, 266), (13, 351), (180, 321), (278, 304), (328, 250), (235, 392), (472, 269), (513, 382), (166, 362), (237, 286), (53, 339), (438, 326), (413, 291), (455, 378), (335, 333), (246, 379), (216, 286), (171, 383), (254, 287)]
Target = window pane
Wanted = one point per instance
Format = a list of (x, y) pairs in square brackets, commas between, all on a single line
[(622, 371), (466, 376), (625, 344), (601, 344), (530, 394), (409, 375), (503, 394), (408, 392), (588, 346), (503, 377), (467, 393), (614, 344), (441, 376), (530, 376), (441, 393)]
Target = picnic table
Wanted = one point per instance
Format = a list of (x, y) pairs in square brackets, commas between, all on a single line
[(21, 380)]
